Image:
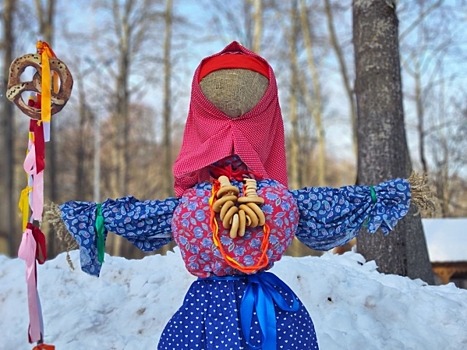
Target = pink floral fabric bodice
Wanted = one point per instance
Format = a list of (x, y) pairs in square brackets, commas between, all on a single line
[(192, 232)]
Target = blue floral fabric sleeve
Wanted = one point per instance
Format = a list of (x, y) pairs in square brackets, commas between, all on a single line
[(146, 224), (330, 217)]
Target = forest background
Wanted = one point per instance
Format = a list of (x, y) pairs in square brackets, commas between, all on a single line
[(133, 61)]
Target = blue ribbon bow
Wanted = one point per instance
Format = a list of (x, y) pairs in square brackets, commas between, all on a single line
[(262, 297)]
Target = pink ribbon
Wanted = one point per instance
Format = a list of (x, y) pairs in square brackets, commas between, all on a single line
[(27, 252), (37, 197)]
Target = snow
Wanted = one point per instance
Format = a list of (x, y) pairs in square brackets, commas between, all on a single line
[(352, 305), (446, 239)]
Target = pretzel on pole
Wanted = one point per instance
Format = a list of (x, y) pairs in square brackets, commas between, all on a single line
[(51, 86), (16, 87)]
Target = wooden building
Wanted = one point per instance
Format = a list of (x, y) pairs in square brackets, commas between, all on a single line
[(447, 247)]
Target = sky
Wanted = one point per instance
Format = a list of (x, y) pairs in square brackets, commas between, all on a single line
[(446, 239), (80, 17), (351, 304)]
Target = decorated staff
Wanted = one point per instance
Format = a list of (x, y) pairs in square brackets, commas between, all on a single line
[(49, 90)]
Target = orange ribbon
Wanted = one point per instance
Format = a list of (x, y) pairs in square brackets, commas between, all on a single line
[(46, 53)]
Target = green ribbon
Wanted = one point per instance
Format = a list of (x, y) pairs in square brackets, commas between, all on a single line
[(373, 194), (100, 233), (374, 199)]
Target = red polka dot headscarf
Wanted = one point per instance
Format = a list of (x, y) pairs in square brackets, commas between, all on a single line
[(257, 137)]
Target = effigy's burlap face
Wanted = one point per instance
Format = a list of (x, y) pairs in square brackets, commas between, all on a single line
[(243, 118), (234, 91)]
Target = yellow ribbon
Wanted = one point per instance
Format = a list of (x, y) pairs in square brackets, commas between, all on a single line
[(23, 205), (46, 94)]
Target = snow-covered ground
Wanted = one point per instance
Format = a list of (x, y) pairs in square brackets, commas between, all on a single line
[(352, 305)]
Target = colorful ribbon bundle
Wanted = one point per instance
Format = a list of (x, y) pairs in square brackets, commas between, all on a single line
[(33, 244)]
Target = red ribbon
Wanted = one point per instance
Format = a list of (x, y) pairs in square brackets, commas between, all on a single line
[(41, 245), (233, 174), (37, 128), (44, 347)]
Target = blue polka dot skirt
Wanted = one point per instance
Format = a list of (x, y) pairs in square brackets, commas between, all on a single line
[(210, 318)]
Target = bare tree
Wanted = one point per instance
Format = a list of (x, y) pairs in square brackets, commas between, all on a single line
[(242, 20), (257, 25), (167, 110), (415, 65), (8, 228), (46, 16), (431, 47), (447, 141), (313, 100), (121, 155), (133, 36), (82, 148), (294, 141), (133, 25), (344, 71), (382, 145)]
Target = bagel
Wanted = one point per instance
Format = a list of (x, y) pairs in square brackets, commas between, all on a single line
[(252, 199), (230, 190), (250, 214), (227, 220), (235, 226), (259, 213), (241, 223), (227, 205), (217, 205)]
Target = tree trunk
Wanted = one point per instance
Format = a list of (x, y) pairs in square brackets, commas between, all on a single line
[(314, 104), (257, 25), (382, 145), (8, 227), (80, 147), (121, 145), (294, 180), (167, 111), (344, 73), (123, 97), (421, 120)]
